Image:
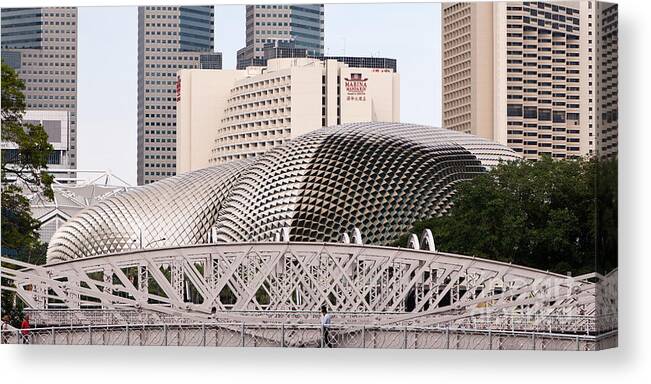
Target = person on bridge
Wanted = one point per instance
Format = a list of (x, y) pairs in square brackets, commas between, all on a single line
[(24, 329), (6, 328), (326, 319)]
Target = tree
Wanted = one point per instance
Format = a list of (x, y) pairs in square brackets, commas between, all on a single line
[(23, 167), (27, 163), (539, 214)]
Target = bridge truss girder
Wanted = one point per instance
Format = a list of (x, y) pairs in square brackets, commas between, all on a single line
[(244, 281)]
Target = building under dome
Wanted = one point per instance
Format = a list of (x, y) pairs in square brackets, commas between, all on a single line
[(377, 177), (71, 196)]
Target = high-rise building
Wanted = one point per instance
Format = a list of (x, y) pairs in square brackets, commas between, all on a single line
[(607, 84), (41, 45), (301, 24), (238, 114), (169, 39), (283, 49), (523, 74)]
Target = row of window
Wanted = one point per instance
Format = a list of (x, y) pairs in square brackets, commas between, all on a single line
[(172, 66), (158, 174), (275, 15), (161, 157), (172, 58), (59, 23), (49, 97), (247, 146), (50, 89), (160, 124), (161, 149), (272, 23), (160, 106), (160, 99), (46, 56), (159, 90), (40, 72), (272, 32), (161, 41), (48, 64)]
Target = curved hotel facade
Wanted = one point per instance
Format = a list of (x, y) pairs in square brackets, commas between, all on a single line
[(237, 114)]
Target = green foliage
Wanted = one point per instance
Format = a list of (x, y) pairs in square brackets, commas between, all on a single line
[(16, 312), (29, 165), (606, 205), (541, 214), (19, 227)]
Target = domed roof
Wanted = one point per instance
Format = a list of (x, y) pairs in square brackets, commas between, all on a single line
[(377, 177)]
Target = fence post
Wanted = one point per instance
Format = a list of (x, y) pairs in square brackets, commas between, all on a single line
[(447, 337), (128, 336), (405, 341), (54, 339), (203, 331), (490, 340), (282, 335), (578, 346), (364, 336), (242, 334), (322, 336), (533, 341), (90, 335), (165, 333)]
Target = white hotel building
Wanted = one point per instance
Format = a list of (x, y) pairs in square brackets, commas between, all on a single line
[(224, 115)]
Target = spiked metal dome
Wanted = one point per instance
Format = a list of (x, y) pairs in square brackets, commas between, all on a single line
[(377, 177)]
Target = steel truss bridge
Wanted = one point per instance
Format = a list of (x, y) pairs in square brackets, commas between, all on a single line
[(275, 286)]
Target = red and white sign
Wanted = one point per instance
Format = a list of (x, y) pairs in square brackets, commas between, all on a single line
[(356, 87)]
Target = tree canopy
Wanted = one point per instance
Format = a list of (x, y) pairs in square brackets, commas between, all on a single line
[(28, 162), (552, 215), (24, 167)]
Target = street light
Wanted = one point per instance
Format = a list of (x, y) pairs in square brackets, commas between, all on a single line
[(155, 241), (140, 239)]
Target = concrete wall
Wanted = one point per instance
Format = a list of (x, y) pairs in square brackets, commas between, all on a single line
[(203, 96)]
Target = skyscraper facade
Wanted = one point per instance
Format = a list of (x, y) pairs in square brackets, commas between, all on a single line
[(41, 45), (169, 39), (607, 74), (523, 74), (301, 24)]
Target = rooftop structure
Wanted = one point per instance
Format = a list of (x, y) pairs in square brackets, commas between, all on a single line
[(71, 196)]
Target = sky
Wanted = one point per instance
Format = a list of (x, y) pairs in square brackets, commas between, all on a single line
[(107, 67)]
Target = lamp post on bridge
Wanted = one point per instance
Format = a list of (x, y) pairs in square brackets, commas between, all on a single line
[(139, 239), (154, 241)]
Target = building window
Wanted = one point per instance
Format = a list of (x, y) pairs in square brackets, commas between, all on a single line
[(514, 110), (530, 112)]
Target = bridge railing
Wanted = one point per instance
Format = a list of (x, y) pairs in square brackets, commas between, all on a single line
[(586, 324), (305, 335)]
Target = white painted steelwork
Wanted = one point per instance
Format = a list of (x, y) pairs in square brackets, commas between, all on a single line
[(307, 336), (276, 281)]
